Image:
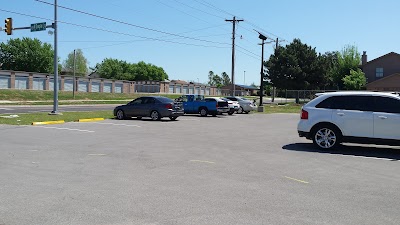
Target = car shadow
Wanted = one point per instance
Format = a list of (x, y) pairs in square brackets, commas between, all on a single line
[(391, 153)]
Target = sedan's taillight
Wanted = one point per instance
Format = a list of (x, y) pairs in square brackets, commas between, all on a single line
[(304, 114), (168, 106)]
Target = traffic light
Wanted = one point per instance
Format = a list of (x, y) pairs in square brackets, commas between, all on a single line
[(8, 25)]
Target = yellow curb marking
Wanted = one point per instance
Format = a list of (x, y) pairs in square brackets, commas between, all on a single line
[(49, 122), (90, 120), (201, 161), (301, 181)]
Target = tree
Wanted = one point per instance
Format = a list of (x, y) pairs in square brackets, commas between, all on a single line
[(348, 59), (27, 54), (295, 66), (328, 63), (122, 70), (217, 80), (225, 79), (211, 78), (80, 62), (355, 80)]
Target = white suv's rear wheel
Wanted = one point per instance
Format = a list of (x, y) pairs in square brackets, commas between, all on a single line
[(326, 137)]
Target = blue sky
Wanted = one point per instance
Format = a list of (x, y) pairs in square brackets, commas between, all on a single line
[(202, 38)]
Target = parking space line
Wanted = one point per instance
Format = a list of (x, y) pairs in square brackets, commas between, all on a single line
[(301, 181), (99, 154), (202, 161), (367, 157), (64, 128), (117, 124)]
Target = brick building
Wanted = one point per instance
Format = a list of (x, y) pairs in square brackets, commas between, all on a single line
[(382, 73)]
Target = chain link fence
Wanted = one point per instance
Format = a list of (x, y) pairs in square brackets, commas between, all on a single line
[(296, 96)]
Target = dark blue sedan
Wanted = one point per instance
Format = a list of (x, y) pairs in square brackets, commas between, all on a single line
[(155, 107)]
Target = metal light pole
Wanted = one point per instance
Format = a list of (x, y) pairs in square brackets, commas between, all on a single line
[(244, 77), (55, 103), (74, 81), (263, 38)]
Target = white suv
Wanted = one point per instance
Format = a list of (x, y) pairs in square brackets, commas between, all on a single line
[(358, 117)]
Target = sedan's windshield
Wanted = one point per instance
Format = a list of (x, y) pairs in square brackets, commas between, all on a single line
[(164, 100)]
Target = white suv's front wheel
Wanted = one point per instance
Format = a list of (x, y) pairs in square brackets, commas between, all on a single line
[(326, 137)]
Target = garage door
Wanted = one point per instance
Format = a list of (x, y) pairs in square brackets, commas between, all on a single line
[(118, 88), (107, 87), (4, 82), (51, 84), (39, 83), (95, 87), (68, 85), (21, 83), (83, 86)]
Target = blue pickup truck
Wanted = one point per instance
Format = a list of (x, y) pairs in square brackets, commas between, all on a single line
[(194, 104)]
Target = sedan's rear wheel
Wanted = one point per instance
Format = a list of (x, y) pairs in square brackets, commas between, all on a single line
[(240, 111), (120, 114), (326, 137), (155, 115)]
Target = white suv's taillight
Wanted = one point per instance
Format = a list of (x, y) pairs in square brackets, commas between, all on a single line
[(304, 114)]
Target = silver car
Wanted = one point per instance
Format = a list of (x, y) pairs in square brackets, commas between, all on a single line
[(155, 107), (246, 105)]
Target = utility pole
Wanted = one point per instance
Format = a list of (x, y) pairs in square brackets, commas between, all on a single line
[(234, 20), (244, 77), (74, 81), (273, 87)]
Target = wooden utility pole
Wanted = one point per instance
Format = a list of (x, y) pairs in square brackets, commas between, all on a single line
[(234, 20), (273, 87)]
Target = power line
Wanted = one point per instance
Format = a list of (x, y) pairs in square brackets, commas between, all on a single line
[(199, 9), (114, 32), (212, 6), (130, 24)]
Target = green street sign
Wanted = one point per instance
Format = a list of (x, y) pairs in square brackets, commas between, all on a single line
[(38, 27)]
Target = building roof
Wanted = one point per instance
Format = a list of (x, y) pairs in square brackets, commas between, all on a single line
[(390, 53), (247, 86), (382, 79)]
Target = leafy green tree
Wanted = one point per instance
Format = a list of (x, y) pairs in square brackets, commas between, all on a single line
[(355, 80), (211, 78), (80, 62), (328, 63), (225, 79), (144, 71), (217, 80), (114, 69), (348, 59), (122, 70), (27, 54), (295, 66)]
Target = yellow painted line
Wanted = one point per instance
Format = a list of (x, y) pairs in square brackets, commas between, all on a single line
[(301, 181), (90, 120), (97, 154), (49, 122), (201, 161)]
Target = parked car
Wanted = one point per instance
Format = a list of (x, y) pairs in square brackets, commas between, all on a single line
[(194, 104), (222, 105), (155, 107), (246, 105), (358, 117), (233, 105)]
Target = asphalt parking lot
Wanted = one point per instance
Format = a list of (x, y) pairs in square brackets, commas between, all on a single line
[(241, 169)]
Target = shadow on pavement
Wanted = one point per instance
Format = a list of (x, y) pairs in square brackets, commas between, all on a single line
[(384, 152)]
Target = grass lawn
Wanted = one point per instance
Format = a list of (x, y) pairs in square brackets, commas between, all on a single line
[(282, 108), (27, 119), (34, 95)]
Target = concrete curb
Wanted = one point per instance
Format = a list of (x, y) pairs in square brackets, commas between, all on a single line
[(90, 120), (48, 122)]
